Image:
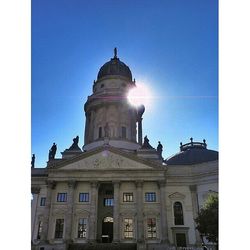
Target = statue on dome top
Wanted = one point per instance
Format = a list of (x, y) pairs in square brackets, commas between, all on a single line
[(115, 52), (52, 151)]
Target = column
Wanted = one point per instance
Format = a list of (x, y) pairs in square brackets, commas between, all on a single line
[(139, 208), (116, 229), (93, 209), (47, 210), (193, 189), (70, 205), (164, 225), (140, 131), (35, 192)]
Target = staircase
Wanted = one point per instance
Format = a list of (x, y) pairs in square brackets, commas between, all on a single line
[(103, 246)]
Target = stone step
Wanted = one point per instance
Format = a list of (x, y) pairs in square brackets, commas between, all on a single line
[(103, 246)]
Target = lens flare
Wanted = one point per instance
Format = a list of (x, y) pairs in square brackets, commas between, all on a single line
[(140, 94)]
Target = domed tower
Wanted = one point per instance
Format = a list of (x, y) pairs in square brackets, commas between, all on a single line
[(110, 119)]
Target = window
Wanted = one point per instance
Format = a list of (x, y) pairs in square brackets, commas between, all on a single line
[(150, 197), (128, 197), (108, 202), (59, 228), (39, 232), (82, 228), (100, 132), (181, 240), (42, 201), (83, 197), (178, 214), (124, 133), (151, 227), (128, 228), (62, 197)]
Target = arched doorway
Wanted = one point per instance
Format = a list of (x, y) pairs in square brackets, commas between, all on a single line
[(107, 229)]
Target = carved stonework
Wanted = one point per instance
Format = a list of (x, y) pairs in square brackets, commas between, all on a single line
[(177, 196), (72, 184), (51, 184), (35, 190)]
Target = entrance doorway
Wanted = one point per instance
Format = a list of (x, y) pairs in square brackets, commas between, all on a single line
[(107, 230)]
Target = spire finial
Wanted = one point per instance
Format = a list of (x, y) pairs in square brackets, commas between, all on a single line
[(115, 52)]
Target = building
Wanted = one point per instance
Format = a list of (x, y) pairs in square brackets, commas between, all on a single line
[(117, 192)]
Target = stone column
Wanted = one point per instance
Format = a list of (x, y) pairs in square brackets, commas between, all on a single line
[(164, 225), (193, 189), (140, 131), (116, 228), (35, 192), (93, 209), (69, 215), (47, 210), (139, 208)]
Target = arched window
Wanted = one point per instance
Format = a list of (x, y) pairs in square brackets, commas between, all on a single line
[(178, 214)]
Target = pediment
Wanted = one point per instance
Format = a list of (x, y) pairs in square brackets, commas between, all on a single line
[(177, 195), (105, 160)]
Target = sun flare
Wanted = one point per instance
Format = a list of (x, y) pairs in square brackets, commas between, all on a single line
[(139, 95)]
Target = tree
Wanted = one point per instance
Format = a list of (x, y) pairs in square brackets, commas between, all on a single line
[(207, 220)]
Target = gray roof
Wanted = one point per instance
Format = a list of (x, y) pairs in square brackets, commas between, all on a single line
[(193, 156)]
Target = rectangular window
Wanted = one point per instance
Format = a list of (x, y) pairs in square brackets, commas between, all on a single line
[(100, 132), (59, 228), (83, 197), (82, 228), (151, 227), (108, 202), (150, 197), (62, 197), (40, 228), (124, 134), (42, 201), (128, 228), (181, 240), (128, 197)]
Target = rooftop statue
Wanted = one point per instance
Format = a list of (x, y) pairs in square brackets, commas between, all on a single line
[(159, 148), (74, 145), (146, 144), (33, 161), (52, 151)]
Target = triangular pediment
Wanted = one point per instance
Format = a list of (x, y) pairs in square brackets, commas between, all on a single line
[(176, 195), (107, 160)]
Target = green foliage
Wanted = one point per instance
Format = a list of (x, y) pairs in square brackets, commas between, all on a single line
[(207, 220)]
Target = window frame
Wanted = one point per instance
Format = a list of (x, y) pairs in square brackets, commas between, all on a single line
[(128, 232), (150, 197), (178, 217), (85, 227), (43, 202), (85, 197), (151, 228), (128, 195), (108, 202), (59, 229), (61, 197)]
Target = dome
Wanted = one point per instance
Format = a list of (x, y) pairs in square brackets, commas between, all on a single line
[(115, 67), (193, 153)]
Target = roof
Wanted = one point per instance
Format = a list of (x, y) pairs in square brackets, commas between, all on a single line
[(193, 153)]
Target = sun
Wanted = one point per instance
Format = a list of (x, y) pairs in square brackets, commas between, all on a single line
[(139, 95)]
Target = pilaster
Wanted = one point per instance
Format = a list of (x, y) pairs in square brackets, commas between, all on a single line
[(139, 208), (116, 211), (93, 209)]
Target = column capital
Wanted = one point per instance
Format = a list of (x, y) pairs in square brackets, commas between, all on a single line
[(72, 184), (51, 184), (116, 183), (35, 190), (161, 183), (94, 184), (139, 183), (193, 188)]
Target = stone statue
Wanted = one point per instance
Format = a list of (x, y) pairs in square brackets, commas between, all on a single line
[(106, 130), (146, 144), (159, 148), (75, 146), (33, 161), (52, 152), (115, 52)]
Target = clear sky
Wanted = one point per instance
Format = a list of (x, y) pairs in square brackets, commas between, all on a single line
[(171, 45)]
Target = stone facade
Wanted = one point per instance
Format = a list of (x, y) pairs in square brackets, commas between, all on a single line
[(115, 190)]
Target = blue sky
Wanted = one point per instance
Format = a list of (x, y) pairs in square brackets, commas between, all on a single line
[(171, 45)]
